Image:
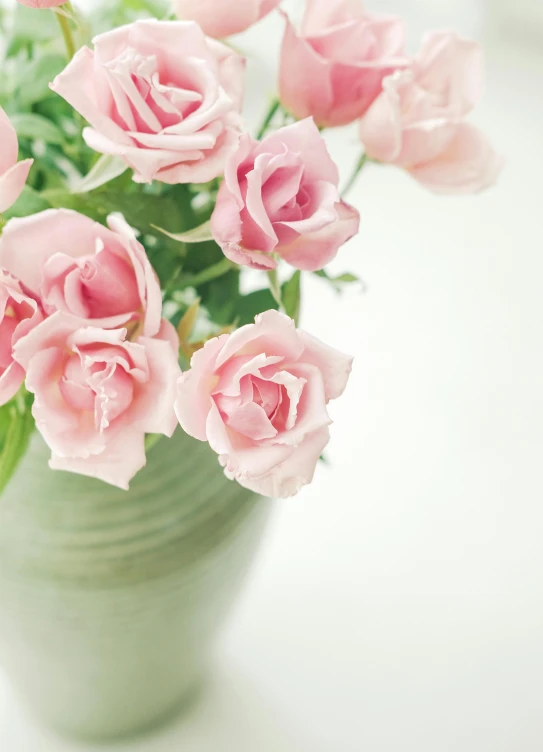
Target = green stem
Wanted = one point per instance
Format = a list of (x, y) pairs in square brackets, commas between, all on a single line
[(274, 106), (209, 274), (275, 287), (354, 177), (21, 425), (152, 440), (66, 30)]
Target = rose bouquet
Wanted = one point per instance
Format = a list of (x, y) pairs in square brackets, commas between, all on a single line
[(134, 203)]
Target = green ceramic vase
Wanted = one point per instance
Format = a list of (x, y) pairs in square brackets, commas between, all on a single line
[(109, 600)]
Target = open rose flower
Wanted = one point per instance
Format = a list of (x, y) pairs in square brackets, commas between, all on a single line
[(418, 122), (259, 397), (97, 394), (281, 197), (219, 18), (77, 266), (333, 69), (19, 314), (160, 95), (13, 174)]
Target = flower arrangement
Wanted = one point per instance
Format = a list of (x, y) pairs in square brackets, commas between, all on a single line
[(140, 201)]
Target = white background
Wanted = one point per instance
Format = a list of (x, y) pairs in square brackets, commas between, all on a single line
[(398, 602)]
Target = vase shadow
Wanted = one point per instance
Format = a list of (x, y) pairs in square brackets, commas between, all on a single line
[(228, 714)]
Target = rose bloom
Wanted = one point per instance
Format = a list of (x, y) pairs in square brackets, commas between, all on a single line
[(96, 394), (42, 3), (418, 121), (77, 266), (333, 69), (160, 95), (281, 196), (19, 314), (259, 397), (219, 18), (13, 174)]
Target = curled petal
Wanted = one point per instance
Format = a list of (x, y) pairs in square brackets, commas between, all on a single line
[(288, 477), (12, 183), (468, 165), (117, 464)]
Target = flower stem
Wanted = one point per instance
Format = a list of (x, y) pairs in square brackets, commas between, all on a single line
[(272, 111), (275, 287), (354, 176), (66, 30), (152, 440)]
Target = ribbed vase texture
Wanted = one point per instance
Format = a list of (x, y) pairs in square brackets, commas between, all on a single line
[(109, 600)]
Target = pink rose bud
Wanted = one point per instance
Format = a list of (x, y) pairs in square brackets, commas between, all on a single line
[(13, 174), (160, 95), (418, 121), (77, 266), (333, 69), (220, 18), (259, 397), (19, 314), (97, 394), (281, 197), (40, 4)]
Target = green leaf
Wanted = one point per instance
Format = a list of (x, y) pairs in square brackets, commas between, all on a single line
[(29, 202), (221, 297), (16, 427), (35, 77), (112, 14), (249, 306), (141, 210), (291, 295), (36, 127), (338, 282), (347, 278), (199, 234), (31, 27), (107, 168), (207, 275), (58, 198)]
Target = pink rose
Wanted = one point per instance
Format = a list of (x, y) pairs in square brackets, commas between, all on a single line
[(259, 397), (221, 19), (42, 3), (333, 69), (97, 394), (280, 197), (418, 121), (77, 266), (19, 314), (160, 95), (13, 174)]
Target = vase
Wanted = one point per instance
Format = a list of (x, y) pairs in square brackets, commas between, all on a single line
[(109, 600)]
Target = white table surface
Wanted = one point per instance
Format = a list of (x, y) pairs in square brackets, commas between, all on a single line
[(398, 602)]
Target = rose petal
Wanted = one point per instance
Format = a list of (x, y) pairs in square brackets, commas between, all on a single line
[(12, 183), (117, 464), (296, 471), (468, 165)]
